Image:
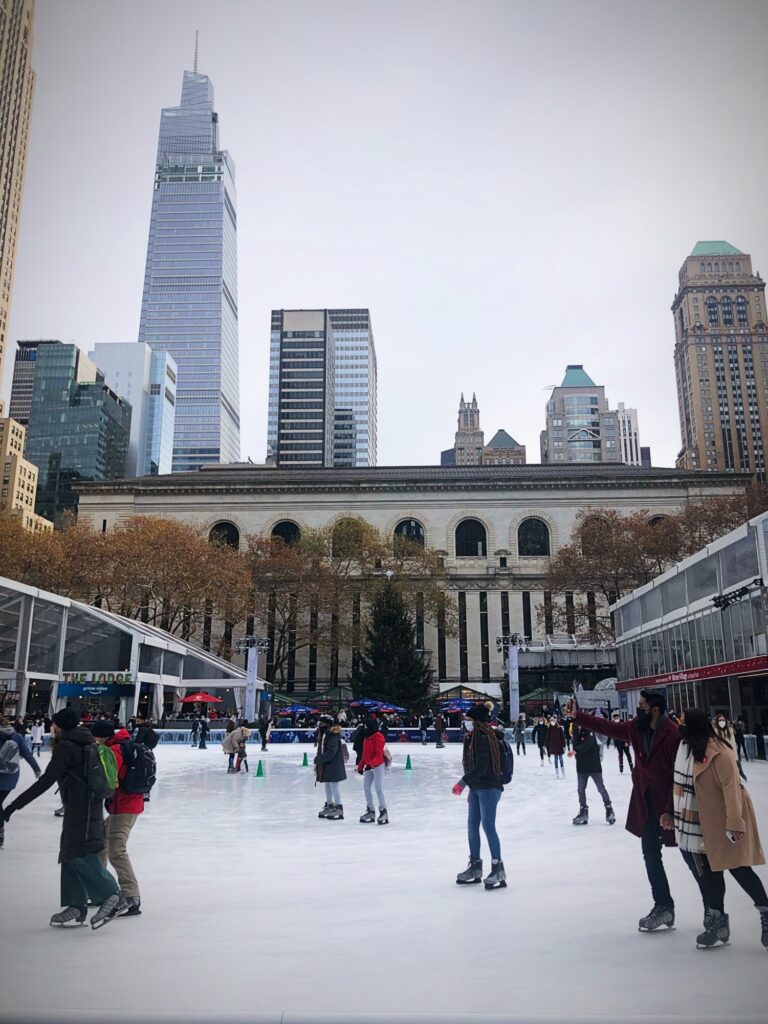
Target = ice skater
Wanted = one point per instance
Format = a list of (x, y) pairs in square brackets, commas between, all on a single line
[(540, 731), (622, 749), (654, 738), (264, 729), (329, 767), (372, 766), (194, 730), (589, 766), (205, 731), (13, 746), (556, 746), (739, 728), (715, 826), (482, 763), (38, 732), (231, 745), (725, 731), (520, 735), (439, 729)]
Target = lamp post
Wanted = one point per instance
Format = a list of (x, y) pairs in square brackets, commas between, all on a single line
[(508, 644), (251, 646)]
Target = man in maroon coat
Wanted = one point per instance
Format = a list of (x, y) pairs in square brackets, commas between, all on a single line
[(654, 738)]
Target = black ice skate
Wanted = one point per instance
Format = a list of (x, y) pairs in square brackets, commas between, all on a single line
[(134, 907), (473, 874), (369, 816), (383, 818), (325, 810), (610, 817), (112, 907), (582, 818), (716, 929), (497, 878), (657, 917), (336, 812), (72, 917), (763, 911)]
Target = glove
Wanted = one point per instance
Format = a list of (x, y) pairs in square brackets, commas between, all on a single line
[(7, 813), (570, 753), (458, 789)]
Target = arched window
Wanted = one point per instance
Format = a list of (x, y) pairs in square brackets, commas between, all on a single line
[(410, 530), (655, 520), (741, 310), (286, 531), (593, 535), (701, 268), (712, 314), (709, 268), (470, 539), (727, 311), (717, 268), (347, 538), (533, 537), (225, 534)]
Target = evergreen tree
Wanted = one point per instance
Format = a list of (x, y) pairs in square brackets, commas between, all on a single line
[(391, 668)]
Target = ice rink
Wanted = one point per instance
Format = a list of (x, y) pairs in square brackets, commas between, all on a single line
[(251, 903)]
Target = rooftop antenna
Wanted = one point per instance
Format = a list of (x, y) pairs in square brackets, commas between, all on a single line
[(197, 36)]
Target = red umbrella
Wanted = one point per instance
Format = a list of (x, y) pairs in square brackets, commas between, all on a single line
[(201, 698)]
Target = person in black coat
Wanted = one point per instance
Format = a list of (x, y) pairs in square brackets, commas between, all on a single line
[(589, 766), (82, 834), (195, 729), (329, 767), (539, 736), (205, 731), (358, 738)]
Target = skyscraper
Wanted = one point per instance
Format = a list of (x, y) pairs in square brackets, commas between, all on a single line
[(146, 378), (721, 360), (470, 439), (629, 435), (17, 81), (22, 385), (348, 336), (580, 425), (189, 305)]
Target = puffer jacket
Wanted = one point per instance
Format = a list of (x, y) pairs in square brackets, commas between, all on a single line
[(373, 751), (329, 760), (9, 780), (82, 830)]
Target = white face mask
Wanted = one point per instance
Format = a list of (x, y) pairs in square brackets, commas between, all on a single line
[(469, 725), (721, 722)]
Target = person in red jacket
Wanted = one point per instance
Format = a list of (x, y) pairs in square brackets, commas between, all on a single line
[(123, 809), (372, 767), (556, 746), (654, 739)]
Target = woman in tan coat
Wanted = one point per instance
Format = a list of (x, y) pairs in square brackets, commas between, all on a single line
[(715, 825), (231, 745)]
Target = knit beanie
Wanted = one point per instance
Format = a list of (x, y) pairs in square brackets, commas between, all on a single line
[(103, 729), (66, 719), (478, 713)]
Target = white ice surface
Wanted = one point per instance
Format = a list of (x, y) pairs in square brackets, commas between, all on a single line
[(250, 902)]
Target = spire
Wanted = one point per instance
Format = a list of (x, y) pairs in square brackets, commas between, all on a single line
[(462, 403), (197, 37)]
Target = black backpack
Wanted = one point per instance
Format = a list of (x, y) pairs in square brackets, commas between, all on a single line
[(141, 767), (507, 762)]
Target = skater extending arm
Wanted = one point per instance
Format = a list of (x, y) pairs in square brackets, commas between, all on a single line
[(28, 756), (616, 730), (53, 774)]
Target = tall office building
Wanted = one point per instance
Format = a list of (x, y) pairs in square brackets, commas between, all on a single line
[(78, 428), (721, 361), (629, 435), (24, 367), (18, 479), (146, 378), (349, 336), (469, 440), (17, 81), (580, 425), (189, 305)]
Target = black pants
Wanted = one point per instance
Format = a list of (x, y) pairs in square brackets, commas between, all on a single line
[(623, 749), (521, 743), (741, 747), (542, 751), (712, 883), (652, 845)]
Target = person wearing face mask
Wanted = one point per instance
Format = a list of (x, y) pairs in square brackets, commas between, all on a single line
[(329, 767), (654, 740), (556, 746), (715, 826), (372, 767), (739, 728), (724, 731), (622, 748), (540, 739)]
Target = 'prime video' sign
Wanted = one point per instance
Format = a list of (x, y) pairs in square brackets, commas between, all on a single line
[(95, 684)]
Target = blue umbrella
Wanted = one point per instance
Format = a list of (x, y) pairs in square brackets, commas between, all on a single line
[(365, 702), (458, 703), (297, 709)]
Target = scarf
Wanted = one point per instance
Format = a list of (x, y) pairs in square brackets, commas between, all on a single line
[(687, 827)]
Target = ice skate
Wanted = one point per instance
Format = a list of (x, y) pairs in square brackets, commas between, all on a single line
[(582, 818), (763, 911), (610, 817), (383, 818), (497, 878), (369, 816), (336, 812), (473, 874), (716, 929), (72, 917), (134, 907), (325, 810), (657, 917), (112, 907)]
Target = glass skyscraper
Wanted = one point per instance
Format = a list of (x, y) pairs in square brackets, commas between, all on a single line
[(189, 305)]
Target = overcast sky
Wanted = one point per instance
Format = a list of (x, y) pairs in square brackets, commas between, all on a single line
[(509, 187)]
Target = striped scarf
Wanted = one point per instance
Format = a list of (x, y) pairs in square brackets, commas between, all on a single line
[(687, 827)]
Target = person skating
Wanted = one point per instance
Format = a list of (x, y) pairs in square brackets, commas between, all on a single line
[(724, 731), (520, 735), (439, 729), (13, 746), (205, 732), (358, 738), (195, 729), (654, 740), (123, 811), (556, 746), (482, 774), (329, 767), (425, 724), (231, 745), (739, 728), (38, 732), (83, 876), (589, 766), (372, 767), (622, 749), (264, 729), (540, 731), (715, 826)]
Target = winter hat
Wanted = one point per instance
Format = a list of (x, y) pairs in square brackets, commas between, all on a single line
[(325, 720), (66, 719), (103, 729), (478, 713)]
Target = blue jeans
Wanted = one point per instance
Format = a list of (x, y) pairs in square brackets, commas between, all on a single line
[(482, 811)]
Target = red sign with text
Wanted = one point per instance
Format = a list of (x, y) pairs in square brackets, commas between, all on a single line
[(692, 675)]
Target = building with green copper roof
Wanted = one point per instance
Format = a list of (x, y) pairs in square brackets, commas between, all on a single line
[(577, 377), (581, 426), (715, 249), (503, 450)]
